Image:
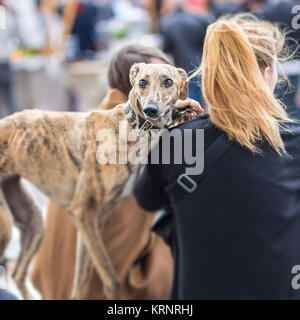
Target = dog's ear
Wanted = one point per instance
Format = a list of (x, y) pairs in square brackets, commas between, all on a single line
[(134, 70), (184, 90)]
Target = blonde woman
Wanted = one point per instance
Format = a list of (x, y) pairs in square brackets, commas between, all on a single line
[(238, 231)]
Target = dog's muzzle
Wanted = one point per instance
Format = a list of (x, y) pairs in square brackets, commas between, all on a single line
[(151, 110)]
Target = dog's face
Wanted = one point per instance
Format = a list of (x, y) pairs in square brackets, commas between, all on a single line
[(157, 87)]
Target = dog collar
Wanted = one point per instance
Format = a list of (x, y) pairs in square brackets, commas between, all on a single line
[(145, 126), (136, 121)]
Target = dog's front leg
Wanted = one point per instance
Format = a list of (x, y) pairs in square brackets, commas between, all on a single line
[(90, 226), (83, 271)]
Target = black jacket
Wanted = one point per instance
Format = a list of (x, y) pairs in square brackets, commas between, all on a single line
[(238, 234)]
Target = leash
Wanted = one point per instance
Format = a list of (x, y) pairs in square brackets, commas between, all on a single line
[(137, 122), (145, 126), (178, 113)]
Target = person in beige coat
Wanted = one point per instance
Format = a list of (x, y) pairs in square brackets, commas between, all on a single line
[(141, 259)]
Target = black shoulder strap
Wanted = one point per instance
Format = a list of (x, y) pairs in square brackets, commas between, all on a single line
[(186, 184)]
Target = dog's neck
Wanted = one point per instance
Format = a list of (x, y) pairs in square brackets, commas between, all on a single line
[(136, 121)]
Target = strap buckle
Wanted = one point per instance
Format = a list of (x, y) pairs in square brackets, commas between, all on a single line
[(187, 183), (145, 128)]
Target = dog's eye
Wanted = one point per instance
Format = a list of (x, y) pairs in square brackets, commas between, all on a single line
[(168, 83), (142, 83)]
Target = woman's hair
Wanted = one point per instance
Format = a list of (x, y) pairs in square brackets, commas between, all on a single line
[(122, 60), (236, 51)]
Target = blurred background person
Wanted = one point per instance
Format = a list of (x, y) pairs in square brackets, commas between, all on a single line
[(89, 16), (218, 8), (183, 35), (39, 80), (282, 13), (7, 104)]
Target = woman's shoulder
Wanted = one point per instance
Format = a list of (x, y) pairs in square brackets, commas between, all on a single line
[(291, 131), (200, 123), (291, 135), (294, 127), (204, 123)]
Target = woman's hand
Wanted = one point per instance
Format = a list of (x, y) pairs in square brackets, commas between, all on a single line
[(196, 109)]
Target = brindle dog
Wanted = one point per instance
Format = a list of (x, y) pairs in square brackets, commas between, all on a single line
[(56, 151)]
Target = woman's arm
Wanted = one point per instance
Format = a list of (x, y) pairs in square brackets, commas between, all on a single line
[(149, 190)]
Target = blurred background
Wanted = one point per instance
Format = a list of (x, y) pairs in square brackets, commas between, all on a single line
[(54, 54)]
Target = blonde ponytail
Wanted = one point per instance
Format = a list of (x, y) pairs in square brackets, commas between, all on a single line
[(239, 99)]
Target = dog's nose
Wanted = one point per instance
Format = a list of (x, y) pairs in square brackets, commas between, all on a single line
[(151, 110)]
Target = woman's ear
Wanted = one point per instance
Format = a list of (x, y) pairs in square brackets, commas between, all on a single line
[(134, 70), (266, 73), (184, 89), (270, 75)]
